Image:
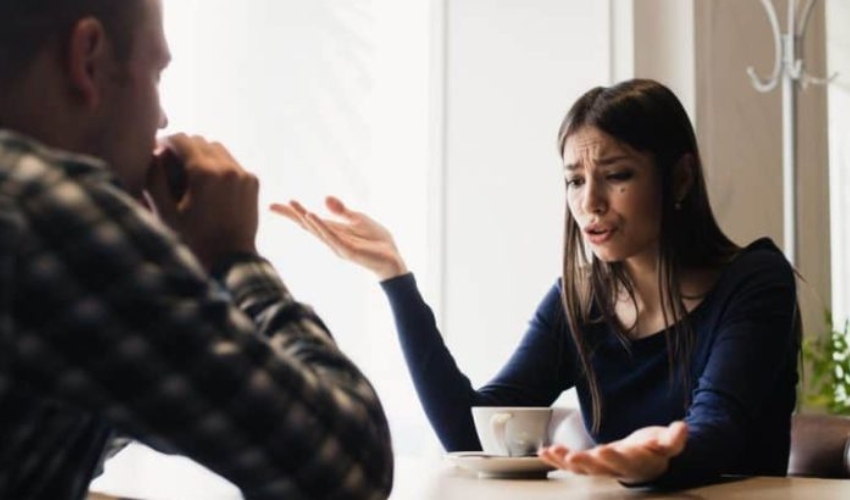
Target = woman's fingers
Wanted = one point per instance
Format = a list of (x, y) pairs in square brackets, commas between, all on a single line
[(354, 225), (336, 206), (588, 462), (603, 460), (580, 462), (294, 212), (352, 236), (360, 219), (554, 456), (328, 235), (330, 232), (286, 211), (642, 456), (619, 464), (298, 208)]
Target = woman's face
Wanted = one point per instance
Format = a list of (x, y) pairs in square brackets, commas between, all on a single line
[(614, 195)]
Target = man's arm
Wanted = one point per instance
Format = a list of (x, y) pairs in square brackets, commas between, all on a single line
[(116, 317)]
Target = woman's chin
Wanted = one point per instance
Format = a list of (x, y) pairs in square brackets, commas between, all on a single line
[(607, 256)]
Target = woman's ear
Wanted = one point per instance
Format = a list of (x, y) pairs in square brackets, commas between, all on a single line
[(684, 173), (87, 55)]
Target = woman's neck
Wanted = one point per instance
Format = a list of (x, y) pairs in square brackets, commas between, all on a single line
[(643, 272), (641, 314), (646, 312)]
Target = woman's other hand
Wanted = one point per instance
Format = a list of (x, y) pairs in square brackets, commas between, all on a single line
[(641, 457), (355, 237)]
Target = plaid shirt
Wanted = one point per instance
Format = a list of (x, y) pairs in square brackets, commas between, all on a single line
[(107, 323)]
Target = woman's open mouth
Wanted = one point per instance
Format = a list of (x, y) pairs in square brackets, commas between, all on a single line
[(598, 235)]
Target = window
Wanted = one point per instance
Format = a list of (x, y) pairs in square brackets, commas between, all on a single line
[(319, 97), (437, 117), (838, 55), (371, 101)]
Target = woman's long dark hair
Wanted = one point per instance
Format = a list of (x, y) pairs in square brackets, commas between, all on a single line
[(648, 117)]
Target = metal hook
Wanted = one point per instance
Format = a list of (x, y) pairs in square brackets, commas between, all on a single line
[(807, 79), (804, 19), (790, 67), (770, 84)]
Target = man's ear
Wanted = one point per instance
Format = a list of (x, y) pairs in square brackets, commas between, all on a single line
[(684, 174), (88, 59)]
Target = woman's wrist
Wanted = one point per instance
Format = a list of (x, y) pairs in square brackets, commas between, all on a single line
[(394, 270)]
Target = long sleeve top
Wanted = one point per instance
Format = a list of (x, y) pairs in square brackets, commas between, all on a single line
[(109, 324), (743, 372)]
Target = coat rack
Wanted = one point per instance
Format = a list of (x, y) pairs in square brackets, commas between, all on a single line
[(789, 69)]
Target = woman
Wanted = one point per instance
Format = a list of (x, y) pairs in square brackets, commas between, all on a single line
[(682, 345)]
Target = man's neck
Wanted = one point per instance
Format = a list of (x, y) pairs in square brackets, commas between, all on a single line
[(37, 104)]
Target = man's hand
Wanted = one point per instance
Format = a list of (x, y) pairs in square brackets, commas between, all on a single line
[(642, 456), (217, 215)]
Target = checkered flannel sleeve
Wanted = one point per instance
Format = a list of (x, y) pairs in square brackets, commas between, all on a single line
[(114, 316)]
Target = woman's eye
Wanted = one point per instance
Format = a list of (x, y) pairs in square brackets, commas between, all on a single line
[(574, 181), (620, 176)]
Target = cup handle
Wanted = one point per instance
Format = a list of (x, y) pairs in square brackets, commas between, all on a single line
[(498, 422)]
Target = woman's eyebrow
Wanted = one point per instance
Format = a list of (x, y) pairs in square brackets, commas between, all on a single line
[(608, 160), (601, 162)]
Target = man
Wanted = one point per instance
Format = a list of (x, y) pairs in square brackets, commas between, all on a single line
[(110, 322)]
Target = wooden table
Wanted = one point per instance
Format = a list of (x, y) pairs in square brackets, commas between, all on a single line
[(447, 483), (436, 479)]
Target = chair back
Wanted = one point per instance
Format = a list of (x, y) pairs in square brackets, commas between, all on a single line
[(820, 446)]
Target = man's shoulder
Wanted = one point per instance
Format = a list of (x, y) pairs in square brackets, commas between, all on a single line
[(15, 145), (21, 152)]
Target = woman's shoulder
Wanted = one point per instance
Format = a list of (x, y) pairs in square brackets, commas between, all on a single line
[(760, 256), (759, 264), (550, 309), (758, 276), (552, 298)]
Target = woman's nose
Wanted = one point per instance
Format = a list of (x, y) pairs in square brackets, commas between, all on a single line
[(595, 200)]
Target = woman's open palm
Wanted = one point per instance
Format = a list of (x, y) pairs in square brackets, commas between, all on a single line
[(642, 456), (355, 237)]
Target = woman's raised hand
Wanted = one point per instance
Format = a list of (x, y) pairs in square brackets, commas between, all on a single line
[(355, 237)]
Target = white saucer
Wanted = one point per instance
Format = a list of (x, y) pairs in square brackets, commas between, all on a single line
[(498, 466)]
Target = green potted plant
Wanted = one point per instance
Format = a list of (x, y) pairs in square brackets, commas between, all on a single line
[(826, 369)]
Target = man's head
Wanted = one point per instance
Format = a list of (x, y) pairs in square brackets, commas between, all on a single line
[(83, 75)]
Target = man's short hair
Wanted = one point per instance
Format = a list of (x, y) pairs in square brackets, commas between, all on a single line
[(27, 26)]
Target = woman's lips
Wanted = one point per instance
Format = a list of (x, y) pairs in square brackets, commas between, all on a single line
[(598, 236)]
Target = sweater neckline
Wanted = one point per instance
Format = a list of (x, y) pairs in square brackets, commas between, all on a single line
[(759, 244)]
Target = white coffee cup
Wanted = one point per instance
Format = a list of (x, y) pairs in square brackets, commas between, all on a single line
[(512, 431)]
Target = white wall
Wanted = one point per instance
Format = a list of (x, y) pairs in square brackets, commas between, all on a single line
[(513, 69)]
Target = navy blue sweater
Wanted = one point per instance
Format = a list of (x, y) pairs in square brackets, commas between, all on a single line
[(743, 372)]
